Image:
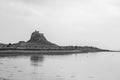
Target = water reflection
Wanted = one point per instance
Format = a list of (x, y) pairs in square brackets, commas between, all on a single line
[(36, 60)]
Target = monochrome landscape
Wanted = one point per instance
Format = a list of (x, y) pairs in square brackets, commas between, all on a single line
[(59, 39)]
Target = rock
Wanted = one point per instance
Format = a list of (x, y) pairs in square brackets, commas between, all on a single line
[(39, 38)]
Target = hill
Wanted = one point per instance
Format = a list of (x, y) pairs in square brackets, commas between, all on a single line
[(39, 42)]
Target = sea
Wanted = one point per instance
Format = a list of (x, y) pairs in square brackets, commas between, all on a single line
[(81, 66)]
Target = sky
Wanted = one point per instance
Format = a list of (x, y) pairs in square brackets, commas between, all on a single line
[(64, 22)]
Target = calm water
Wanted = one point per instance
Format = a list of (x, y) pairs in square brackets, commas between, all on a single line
[(89, 66)]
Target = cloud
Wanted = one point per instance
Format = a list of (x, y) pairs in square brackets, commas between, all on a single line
[(95, 19)]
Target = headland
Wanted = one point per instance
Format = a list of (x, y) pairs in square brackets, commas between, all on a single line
[(39, 44)]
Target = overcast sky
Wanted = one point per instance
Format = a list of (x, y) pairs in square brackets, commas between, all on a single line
[(64, 22)]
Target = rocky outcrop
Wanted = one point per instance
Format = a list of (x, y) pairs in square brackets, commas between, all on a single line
[(39, 38)]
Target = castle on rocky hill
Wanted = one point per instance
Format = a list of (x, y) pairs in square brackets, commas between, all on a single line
[(39, 42)]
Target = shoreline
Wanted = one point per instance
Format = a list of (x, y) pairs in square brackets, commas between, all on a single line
[(50, 52)]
